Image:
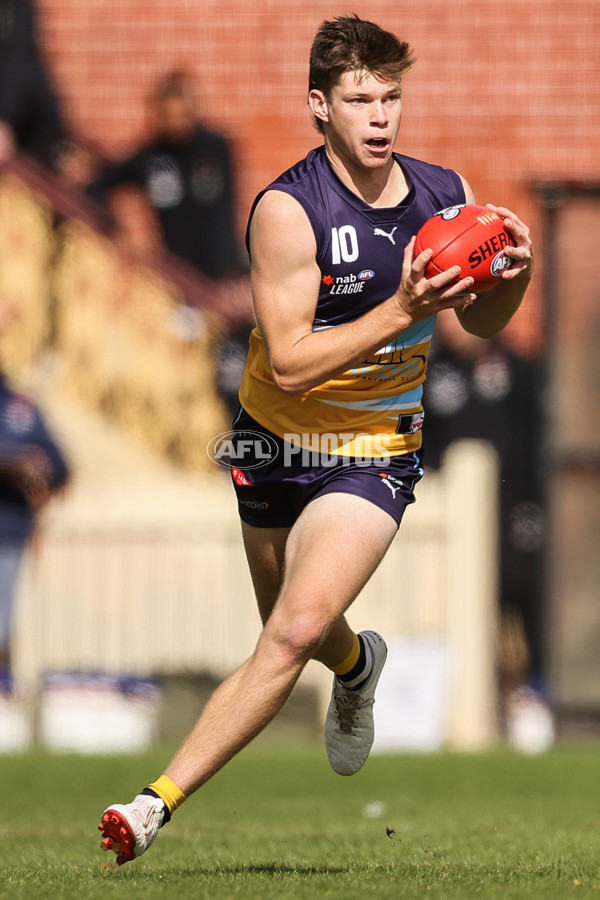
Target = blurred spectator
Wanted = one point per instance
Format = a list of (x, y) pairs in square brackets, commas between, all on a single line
[(30, 118), (32, 469), (186, 174), (185, 171), (479, 389)]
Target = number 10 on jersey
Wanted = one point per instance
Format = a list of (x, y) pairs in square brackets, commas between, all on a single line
[(344, 245)]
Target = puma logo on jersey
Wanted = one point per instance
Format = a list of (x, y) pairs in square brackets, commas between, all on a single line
[(389, 235), (390, 481)]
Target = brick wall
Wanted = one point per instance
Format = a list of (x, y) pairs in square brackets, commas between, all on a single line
[(502, 92)]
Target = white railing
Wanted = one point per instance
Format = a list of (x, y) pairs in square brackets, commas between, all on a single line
[(165, 588)]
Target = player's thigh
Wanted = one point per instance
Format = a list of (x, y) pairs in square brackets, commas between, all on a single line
[(332, 550), (265, 552)]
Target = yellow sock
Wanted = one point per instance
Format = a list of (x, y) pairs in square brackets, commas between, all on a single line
[(348, 664), (168, 792)]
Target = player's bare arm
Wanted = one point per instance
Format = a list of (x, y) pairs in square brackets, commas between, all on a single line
[(492, 310), (285, 285)]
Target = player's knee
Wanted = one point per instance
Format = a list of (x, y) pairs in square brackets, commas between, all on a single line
[(298, 640)]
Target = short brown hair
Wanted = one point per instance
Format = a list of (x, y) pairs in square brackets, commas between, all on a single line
[(349, 43)]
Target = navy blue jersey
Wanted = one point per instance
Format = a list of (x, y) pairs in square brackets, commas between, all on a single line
[(22, 427), (360, 254)]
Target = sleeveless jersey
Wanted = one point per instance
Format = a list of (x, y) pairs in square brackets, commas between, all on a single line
[(359, 252)]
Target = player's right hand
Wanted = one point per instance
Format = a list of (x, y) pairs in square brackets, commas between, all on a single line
[(419, 297)]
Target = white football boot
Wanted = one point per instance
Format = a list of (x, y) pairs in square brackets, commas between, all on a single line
[(130, 828), (349, 730)]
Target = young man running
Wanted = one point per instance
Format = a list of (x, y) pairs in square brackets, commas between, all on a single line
[(334, 380)]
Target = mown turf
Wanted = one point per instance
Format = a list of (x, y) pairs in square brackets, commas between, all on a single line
[(277, 823)]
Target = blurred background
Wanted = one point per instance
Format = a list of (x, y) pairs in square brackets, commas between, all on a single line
[(128, 129)]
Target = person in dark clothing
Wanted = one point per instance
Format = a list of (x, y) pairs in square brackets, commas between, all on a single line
[(30, 116), (32, 469), (186, 174), (480, 389)]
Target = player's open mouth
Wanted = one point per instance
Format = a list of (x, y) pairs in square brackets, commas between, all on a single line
[(378, 144)]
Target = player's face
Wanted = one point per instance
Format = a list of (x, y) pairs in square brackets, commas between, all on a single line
[(361, 118)]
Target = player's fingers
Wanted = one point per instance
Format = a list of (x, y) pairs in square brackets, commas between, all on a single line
[(507, 213), (415, 268), (521, 252), (512, 222), (520, 266), (461, 290), (441, 281), (419, 265), (522, 260), (518, 230), (502, 211), (455, 301)]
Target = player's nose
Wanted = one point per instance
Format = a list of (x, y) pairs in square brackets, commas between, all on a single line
[(378, 114)]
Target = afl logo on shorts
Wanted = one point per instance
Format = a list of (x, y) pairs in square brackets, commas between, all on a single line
[(242, 450), (366, 275)]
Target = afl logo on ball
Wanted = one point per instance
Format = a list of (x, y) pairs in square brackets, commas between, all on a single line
[(499, 263)]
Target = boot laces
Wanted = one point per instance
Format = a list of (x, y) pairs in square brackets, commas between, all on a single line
[(347, 703)]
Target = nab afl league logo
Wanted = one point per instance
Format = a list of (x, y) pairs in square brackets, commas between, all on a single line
[(451, 212)]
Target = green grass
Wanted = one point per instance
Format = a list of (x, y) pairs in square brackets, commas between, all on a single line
[(277, 823)]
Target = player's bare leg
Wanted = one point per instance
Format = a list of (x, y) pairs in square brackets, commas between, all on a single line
[(265, 552), (357, 660), (325, 568)]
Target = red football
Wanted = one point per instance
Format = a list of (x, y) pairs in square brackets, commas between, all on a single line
[(472, 237)]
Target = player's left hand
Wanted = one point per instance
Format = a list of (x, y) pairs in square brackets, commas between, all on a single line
[(522, 253)]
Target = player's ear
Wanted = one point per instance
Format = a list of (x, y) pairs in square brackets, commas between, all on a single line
[(318, 105)]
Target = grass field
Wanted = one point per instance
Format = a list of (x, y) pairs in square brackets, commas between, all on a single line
[(277, 823)]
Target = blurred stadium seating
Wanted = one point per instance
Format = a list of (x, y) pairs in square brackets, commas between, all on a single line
[(121, 338)]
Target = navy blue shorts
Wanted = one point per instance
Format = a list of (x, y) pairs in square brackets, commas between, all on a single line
[(274, 480)]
